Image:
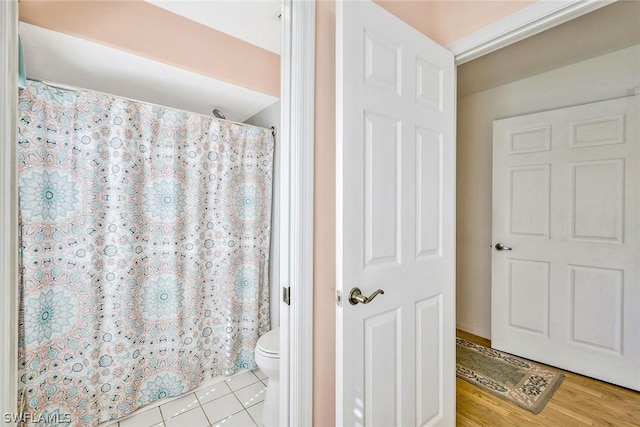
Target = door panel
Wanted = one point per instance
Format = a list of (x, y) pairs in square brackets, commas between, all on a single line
[(528, 284), (382, 62), (566, 200), (382, 372), (596, 302), (597, 131), (430, 83), (395, 216), (381, 193), (529, 200), (428, 192), (597, 196), (429, 363), (530, 140)]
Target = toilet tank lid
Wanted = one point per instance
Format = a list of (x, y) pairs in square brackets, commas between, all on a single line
[(270, 342)]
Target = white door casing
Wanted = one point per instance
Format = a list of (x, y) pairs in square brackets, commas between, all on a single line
[(296, 211), (8, 207), (566, 199), (395, 221)]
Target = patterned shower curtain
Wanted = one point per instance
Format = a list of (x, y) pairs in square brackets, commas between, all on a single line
[(144, 251)]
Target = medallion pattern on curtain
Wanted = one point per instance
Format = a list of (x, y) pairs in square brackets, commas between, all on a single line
[(144, 251)]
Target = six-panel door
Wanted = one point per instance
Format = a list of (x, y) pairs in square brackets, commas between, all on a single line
[(395, 186), (566, 199)]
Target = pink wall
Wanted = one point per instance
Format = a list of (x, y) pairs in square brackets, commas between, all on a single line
[(324, 219), (141, 28), (449, 20), (444, 22)]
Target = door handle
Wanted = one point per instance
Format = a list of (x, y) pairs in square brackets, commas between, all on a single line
[(355, 296), (502, 247)]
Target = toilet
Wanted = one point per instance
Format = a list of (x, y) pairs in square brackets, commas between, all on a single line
[(268, 360)]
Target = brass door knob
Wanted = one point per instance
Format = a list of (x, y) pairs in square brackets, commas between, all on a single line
[(356, 297)]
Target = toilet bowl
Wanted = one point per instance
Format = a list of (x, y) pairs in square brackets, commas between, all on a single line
[(268, 360)]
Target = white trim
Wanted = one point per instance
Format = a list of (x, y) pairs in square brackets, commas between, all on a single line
[(285, 179), (479, 331), (8, 207), (296, 256), (531, 20)]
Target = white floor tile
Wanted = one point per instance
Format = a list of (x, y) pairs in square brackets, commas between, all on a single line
[(265, 381), (212, 392), (252, 394), (256, 413), (143, 419), (221, 408), (179, 406), (192, 418), (240, 419), (242, 380), (258, 373)]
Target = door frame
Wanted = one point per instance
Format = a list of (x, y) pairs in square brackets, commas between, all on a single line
[(297, 171), (529, 21), (8, 206), (296, 207)]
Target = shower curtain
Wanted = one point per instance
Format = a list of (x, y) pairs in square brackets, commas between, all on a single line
[(144, 251)]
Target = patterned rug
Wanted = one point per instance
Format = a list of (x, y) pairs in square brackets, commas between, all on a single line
[(519, 381)]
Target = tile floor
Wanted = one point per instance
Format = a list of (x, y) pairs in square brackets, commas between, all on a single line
[(230, 402)]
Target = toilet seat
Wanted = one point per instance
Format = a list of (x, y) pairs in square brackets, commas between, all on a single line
[(269, 344)]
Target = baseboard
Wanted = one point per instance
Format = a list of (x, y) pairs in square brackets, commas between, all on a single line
[(475, 331)]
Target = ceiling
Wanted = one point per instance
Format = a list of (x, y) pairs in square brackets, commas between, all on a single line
[(61, 58)]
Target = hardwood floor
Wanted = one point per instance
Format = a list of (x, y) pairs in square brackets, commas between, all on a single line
[(579, 401)]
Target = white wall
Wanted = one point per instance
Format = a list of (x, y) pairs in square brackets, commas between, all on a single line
[(606, 77), (268, 117)]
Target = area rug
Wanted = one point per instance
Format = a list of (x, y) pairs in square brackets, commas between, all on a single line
[(519, 381)]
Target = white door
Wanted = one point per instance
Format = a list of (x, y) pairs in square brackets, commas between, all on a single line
[(566, 201), (395, 222)]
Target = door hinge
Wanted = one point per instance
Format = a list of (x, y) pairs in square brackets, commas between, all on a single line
[(339, 298), (286, 295)]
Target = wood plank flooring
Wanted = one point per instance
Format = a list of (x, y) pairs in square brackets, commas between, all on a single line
[(579, 401)]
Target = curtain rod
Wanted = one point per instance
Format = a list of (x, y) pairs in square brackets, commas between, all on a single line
[(77, 89)]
